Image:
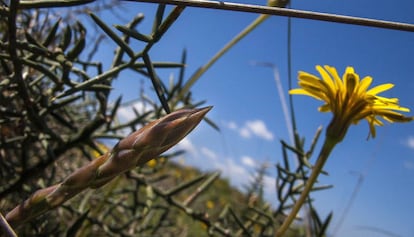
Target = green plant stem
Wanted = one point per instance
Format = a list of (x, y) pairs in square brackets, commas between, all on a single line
[(278, 11), (261, 18), (328, 146), (134, 150)]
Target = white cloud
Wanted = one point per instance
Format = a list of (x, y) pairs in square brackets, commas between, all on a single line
[(248, 161), (232, 125), (127, 113), (187, 146), (258, 128), (234, 171), (238, 171), (269, 183), (239, 175), (410, 142), (409, 165), (208, 153), (251, 128), (245, 132)]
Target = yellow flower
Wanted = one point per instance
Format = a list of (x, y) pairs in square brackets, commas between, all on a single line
[(210, 204), (102, 147), (152, 163), (350, 100)]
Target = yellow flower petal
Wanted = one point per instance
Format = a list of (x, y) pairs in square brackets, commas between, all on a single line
[(326, 77), (351, 80), (364, 84), (350, 100), (338, 82), (378, 89), (324, 108)]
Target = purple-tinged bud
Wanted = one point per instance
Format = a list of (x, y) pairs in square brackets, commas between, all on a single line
[(149, 142)]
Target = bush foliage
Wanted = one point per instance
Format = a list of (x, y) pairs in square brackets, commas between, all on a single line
[(55, 112)]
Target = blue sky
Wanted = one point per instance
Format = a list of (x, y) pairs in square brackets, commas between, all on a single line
[(248, 110)]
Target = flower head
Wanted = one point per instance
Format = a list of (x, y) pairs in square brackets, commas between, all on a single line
[(350, 100)]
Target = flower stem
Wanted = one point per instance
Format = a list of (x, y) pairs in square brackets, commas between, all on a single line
[(323, 157), (194, 78)]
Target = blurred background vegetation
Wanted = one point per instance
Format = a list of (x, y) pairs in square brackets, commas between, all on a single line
[(55, 116)]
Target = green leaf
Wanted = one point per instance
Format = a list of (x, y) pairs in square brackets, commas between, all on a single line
[(52, 34), (325, 225), (182, 70), (158, 18), (32, 40), (212, 124), (59, 104), (77, 225), (67, 37), (156, 83), (112, 35), (77, 49), (79, 45), (114, 110), (133, 33)]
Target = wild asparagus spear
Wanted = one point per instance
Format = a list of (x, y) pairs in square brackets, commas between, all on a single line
[(134, 150)]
